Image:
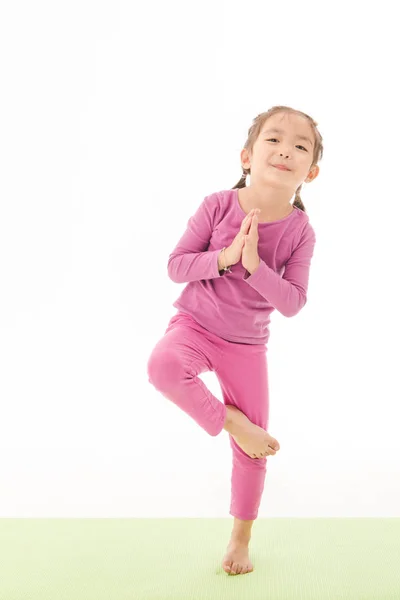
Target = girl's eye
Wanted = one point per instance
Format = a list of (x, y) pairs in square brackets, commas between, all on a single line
[(270, 140)]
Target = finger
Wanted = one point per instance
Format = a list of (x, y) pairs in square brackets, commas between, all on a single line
[(254, 223), (247, 217), (245, 226), (253, 211)]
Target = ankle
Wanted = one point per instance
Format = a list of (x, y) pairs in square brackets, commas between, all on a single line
[(239, 540), (230, 424)]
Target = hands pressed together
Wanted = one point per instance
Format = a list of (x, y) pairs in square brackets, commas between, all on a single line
[(245, 245)]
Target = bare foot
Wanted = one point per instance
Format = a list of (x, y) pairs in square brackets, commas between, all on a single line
[(236, 560), (253, 440)]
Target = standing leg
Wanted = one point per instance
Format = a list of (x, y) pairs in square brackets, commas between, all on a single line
[(243, 376)]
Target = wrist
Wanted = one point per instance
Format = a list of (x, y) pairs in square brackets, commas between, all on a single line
[(254, 267), (220, 261), (223, 259), (226, 257)]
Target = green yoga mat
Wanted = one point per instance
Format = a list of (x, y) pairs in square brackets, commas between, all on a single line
[(180, 559)]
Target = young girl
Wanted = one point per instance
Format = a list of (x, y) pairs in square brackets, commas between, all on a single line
[(246, 251)]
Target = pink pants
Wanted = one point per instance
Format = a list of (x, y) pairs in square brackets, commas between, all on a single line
[(185, 351)]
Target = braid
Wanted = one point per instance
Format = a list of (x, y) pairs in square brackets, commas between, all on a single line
[(298, 201)]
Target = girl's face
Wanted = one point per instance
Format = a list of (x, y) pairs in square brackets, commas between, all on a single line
[(292, 145)]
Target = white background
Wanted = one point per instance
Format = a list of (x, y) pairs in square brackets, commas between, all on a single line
[(117, 119)]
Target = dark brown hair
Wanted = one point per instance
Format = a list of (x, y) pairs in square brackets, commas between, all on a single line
[(255, 130)]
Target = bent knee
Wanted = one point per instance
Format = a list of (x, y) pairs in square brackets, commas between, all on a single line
[(164, 369)]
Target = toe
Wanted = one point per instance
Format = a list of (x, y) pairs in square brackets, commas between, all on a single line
[(228, 567)]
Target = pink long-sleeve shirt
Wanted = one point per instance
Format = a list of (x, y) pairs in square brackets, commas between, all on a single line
[(237, 306)]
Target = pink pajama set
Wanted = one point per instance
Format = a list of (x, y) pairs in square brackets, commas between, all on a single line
[(222, 325)]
